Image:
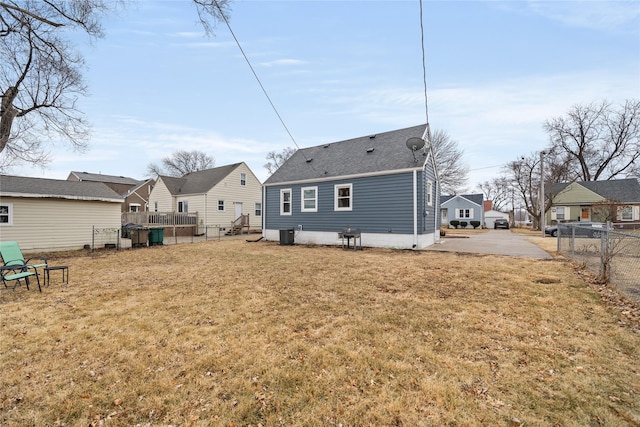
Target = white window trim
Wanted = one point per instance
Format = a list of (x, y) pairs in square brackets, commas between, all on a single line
[(10, 214), (282, 191), (335, 198), (138, 205), (243, 179), (315, 199), (224, 207), (429, 193), (256, 210), (185, 204), (460, 212), (628, 208)]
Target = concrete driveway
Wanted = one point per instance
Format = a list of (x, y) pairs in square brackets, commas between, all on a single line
[(496, 242)]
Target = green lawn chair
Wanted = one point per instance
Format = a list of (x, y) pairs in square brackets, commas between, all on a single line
[(16, 265), (15, 273)]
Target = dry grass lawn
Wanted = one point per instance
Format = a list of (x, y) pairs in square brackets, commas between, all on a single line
[(233, 333)]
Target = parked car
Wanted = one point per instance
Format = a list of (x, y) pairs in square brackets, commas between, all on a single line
[(501, 223), (582, 229)]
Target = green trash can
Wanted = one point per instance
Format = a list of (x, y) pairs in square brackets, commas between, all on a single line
[(156, 236)]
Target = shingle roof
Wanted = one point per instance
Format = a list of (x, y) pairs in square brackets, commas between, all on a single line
[(98, 177), (618, 190), (368, 154), (19, 186), (615, 190), (478, 199), (198, 182)]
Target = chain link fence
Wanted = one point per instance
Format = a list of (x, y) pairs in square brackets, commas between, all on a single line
[(132, 236), (610, 251)]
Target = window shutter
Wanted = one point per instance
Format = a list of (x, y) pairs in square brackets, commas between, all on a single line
[(636, 213)]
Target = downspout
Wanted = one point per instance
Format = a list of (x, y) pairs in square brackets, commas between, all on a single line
[(264, 210), (415, 209), (205, 215)]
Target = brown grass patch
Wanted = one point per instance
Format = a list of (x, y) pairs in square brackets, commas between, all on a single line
[(235, 333)]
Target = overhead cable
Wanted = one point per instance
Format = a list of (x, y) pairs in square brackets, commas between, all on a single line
[(224, 17)]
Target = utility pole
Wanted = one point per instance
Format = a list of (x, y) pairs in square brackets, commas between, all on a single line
[(542, 215)]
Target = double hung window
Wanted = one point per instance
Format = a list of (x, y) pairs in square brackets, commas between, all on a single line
[(309, 197), (343, 197), (6, 214), (285, 201)]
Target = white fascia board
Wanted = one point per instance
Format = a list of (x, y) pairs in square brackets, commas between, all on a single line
[(345, 177), (62, 196)]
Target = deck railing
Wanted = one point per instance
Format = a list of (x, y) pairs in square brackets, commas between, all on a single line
[(160, 218)]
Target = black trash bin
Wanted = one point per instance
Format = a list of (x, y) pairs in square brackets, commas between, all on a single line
[(287, 236), (139, 235)]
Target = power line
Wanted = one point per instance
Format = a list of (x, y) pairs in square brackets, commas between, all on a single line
[(224, 17), (424, 75)]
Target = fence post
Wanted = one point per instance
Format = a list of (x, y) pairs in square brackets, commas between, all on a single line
[(573, 241)]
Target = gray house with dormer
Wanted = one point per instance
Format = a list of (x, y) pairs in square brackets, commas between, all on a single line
[(379, 184)]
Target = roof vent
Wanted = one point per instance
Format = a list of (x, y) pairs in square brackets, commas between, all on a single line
[(309, 160), (372, 136), (370, 150), (326, 146)]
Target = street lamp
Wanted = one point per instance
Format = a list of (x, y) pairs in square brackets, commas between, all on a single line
[(542, 215)]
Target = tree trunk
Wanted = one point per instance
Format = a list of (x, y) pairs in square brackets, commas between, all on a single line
[(7, 114)]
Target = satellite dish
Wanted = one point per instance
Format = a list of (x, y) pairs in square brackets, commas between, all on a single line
[(415, 143)]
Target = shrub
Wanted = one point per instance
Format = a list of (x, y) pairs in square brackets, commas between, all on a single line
[(463, 224), (475, 224), (454, 223)]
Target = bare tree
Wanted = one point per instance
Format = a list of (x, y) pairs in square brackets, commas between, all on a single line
[(40, 76), (277, 159), (181, 163), (600, 142), (452, 172), (524, 176), (500, 191)]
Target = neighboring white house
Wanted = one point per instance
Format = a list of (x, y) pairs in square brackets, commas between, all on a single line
[(219, 196), (48, 214)]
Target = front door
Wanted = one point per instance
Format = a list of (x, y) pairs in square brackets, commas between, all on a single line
[(585, 214), (238, 206)]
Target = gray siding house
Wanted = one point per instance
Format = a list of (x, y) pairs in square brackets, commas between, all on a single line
[(374, 183), (465, 207)]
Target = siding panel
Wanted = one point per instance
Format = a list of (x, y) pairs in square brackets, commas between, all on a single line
[(381, 204), (48, 223)]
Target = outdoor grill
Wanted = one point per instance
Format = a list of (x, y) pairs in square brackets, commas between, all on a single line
[(351, 233)]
